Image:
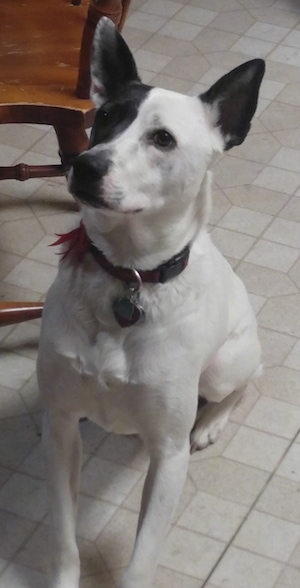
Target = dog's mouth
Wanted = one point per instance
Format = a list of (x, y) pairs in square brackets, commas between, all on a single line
[(98, 202)]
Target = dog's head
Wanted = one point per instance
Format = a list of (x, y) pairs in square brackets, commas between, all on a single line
[(150, 148)]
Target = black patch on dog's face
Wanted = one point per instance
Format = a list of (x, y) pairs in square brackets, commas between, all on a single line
[(112, 119), (116, 115)]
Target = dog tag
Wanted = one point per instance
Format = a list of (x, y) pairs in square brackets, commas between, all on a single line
[(127, 309), (128, 312)]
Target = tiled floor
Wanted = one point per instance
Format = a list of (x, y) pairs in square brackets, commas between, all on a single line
[(238, 522)]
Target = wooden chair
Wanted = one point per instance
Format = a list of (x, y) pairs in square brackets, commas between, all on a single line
[(44, 72)]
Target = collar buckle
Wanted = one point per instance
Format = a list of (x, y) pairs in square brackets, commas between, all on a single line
[(174, 266)]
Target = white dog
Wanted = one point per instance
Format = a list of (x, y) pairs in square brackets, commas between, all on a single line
[(145, 315)]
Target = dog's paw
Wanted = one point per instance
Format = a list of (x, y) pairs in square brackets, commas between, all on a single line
[(207, 429)]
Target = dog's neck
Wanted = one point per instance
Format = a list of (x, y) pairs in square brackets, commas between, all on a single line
[(147, 240)]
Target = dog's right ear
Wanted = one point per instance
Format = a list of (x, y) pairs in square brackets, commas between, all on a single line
[(112, 63)]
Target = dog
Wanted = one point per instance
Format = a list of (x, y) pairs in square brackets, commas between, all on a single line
[(145, 316)]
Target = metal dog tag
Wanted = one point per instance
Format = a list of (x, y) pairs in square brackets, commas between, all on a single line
[(127, 310)]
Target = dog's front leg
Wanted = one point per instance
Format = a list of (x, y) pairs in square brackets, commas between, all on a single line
[(62, 448), (163, 486)]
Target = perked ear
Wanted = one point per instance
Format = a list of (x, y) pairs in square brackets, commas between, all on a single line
[(112, 63), (233, 101)]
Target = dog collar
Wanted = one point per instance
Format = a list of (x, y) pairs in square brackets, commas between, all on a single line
[(127, 310)]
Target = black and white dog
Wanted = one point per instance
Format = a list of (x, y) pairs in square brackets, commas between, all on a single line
[(145, 314)]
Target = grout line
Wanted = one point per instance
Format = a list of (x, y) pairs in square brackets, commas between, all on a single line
[(252, 507)]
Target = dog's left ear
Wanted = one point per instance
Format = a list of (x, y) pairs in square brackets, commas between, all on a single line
[(112, 63), (233, 101)]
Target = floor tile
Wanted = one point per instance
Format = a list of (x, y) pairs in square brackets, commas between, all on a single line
[(106, 480), (292, 39), (161, 7), (275, 346), (274, 416), (13, 208), (24, 496), (17, 370), (231, 243), (268, 32), (245, 570), (293, 359), (265, 281), (281, 498), (93, 515), (169, 46), (180, 30), (272, 255), (289, 578), (14, 531), (228, 479), (9, 155), (268, 536), (284, 231), (245, 221), (191, 553), (32, 274), (146, 22), (116, 541), (210, 40), (232, 171), (286, 158), (218, 5), (127, 451), (21, 577), (282, 314), (199, 16), (165, 577), (289, 55), (20, 236), (11, 403), (187, 68), (290, 466), (292, 210), (277, 178), (24, 339), (282, 383), (278, 116), (236, 21), (256, 198), (270, 89), (104, 580), (155, 63), (19, 136), (294, 273), (256, 448), (275, 16), (253, 47), (213, 516), (259, 148)]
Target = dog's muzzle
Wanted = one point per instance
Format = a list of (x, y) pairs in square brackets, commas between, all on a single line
[(86, 176)]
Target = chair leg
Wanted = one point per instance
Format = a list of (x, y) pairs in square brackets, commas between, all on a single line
[(71, 141), (12, 313)]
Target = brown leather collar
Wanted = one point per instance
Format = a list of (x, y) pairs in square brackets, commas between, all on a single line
[(79, 243)]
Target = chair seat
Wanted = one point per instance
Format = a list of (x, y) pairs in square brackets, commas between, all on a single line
[(44, 70)]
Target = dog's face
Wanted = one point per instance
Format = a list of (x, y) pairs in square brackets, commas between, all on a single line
[(150, 148)]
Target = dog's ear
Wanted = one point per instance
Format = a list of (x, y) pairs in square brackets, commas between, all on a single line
[(233, 100), (112, 63)]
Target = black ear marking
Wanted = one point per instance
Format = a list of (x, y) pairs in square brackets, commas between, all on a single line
[(112, 63), (233, 99)]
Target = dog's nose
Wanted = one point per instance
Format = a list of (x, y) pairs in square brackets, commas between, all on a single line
[(85, 167)]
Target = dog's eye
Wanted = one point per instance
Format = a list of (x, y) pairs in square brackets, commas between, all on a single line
[(103, 117), (163, 139)]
